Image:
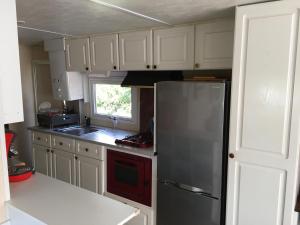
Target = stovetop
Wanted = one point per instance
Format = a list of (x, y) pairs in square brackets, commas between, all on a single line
[(141, 140)]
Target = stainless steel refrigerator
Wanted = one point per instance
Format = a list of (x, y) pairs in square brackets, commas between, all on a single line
[(191, 144)]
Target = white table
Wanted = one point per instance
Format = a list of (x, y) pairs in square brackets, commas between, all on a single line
[(55, 202)]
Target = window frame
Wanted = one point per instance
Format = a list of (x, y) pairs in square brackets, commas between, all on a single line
[(106, 120)]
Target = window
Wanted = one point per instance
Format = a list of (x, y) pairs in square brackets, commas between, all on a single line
[(113, 105)]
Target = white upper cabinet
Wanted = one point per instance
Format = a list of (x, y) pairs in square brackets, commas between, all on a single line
[(174, 48), (78, 54), (214, 45), (135, 50), (265, 113), (11, 104), (104, 53)]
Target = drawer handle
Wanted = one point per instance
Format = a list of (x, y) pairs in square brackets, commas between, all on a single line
[(60, 143), (86, 149), (48, 150), (76, 157), (52, 151), (38, 138)]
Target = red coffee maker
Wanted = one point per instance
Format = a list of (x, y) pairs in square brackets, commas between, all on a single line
[(17, 170)]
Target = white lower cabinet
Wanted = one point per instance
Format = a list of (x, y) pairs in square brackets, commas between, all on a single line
[(63, 166), (89, 174), (84, 169), (42, 159), (140, 219)]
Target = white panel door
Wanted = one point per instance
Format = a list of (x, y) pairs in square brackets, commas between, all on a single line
[(104, 53), (78, 55), (214, 45), (174, 48), (63, 166), (11, 104), (135, 50), (89, 174), (42, 159), (264, 122)]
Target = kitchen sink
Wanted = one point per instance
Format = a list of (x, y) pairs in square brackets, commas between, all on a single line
[(77, 130)]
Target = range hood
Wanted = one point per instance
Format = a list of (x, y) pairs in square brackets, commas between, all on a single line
[(149, 78)]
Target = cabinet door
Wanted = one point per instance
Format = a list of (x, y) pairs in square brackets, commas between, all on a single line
[(104, 53), (42, 159), (11, 104), (140, 219), (264, 122), (214, 45), (78, 54), (174, 48), (63, 166), (135, 50), (89, 174)]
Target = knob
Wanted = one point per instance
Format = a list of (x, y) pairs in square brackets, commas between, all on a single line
[(197, 65), (76, 157), (86, 149), (154, 66), (52, 151), (148, 66), (48, 150), (38, 138), (60, 143), (231, 155), (115, 67), (86, 68)]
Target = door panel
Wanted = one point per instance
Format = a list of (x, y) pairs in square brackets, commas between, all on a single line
[(264, 127), (193, 157), (89, 174), (42, 159), (63, 166), (178, 207), (263, 185), (174, 48), (104, 53), (135, 50)]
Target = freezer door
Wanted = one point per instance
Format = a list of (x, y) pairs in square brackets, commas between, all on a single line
[(189, 134), (180, 207)]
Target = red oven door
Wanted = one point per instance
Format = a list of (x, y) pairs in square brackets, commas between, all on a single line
[(129, 176)]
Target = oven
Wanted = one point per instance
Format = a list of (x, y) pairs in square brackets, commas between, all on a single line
[(129, 176)]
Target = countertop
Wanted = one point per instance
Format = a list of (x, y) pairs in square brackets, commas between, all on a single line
[(105, 136), (54, 202)]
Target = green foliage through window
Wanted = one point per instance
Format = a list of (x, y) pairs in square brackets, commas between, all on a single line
[(113, 100)]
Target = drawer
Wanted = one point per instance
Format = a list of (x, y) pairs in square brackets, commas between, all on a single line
[(62, 143), (43, 139), (90, 150)]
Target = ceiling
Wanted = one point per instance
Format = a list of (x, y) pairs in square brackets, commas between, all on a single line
[(80, 17)]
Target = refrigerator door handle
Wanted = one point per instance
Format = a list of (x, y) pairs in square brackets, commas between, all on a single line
[(185, 187)]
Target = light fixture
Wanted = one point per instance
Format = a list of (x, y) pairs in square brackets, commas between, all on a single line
[(128, 11)]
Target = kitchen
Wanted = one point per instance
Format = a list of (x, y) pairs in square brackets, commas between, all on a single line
[(166, 76)]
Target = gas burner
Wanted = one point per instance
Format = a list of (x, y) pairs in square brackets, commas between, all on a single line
[(141, 140)]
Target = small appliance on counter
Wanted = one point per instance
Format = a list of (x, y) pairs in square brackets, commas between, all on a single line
[(55, 119), (17, 170), (141, 140)]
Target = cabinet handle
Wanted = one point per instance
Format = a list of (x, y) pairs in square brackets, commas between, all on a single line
[(197, 65), (76, 157), (48, 150), (148, 66), (38, 138), (86, 149), (52, 151), (231, 155), (115, 67), (86, 68), (60, 143), (154, 66)]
